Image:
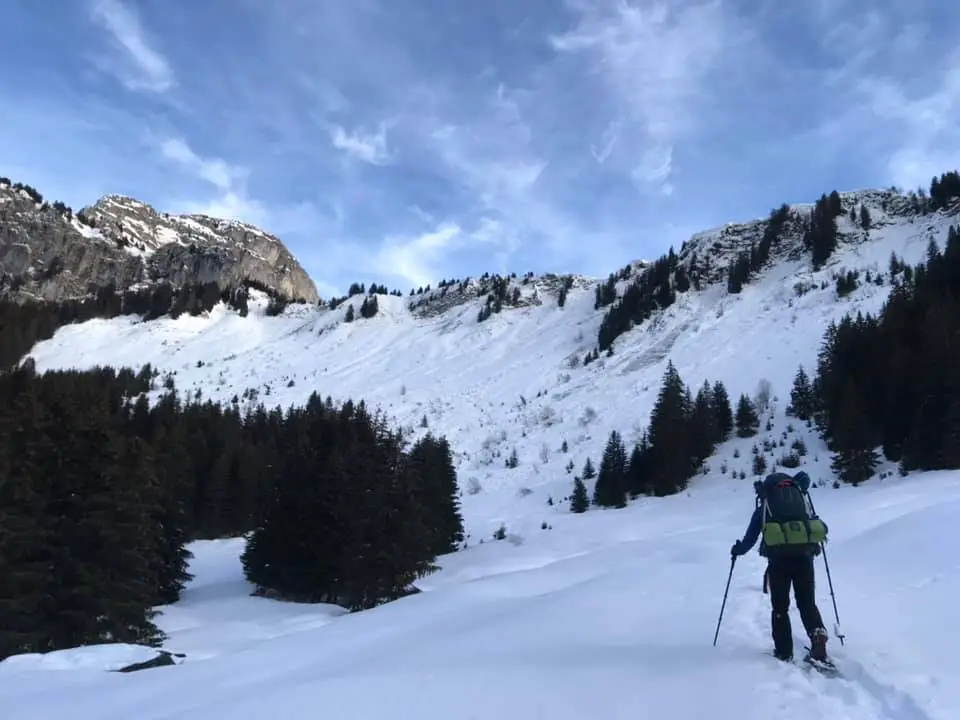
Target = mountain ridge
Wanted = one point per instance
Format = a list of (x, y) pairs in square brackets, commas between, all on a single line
[(48, 252), (530, 377)]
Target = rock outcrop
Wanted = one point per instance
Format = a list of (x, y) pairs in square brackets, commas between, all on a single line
[(48, 252)]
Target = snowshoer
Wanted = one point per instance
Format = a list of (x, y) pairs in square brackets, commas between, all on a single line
[(792, 534)]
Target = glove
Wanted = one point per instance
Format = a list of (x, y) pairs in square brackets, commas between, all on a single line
[(737, 549)]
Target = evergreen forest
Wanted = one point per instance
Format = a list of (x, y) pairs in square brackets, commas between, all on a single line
[(100, 493)]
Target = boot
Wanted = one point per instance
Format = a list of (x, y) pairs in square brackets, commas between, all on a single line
[(818, 645), (782, 636)]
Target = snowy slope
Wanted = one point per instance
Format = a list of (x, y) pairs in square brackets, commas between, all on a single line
[(610, 615), (515, 380), (604, 615)]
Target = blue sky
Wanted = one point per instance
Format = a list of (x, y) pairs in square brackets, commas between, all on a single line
[(404, 141)]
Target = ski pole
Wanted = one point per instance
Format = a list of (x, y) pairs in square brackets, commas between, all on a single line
[(733, 561), (833, 597)]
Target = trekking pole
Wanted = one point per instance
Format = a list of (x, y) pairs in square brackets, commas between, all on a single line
[(733, 561), (836, 628), (833, 597)]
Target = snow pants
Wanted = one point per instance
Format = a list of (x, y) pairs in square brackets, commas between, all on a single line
[(782, 572)]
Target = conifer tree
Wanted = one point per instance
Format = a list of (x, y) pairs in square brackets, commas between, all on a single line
[(580, 500), (748, 423), (722, 412), (802, 398), (588, 472), (638, 468), (672, 462), (702, 429), (611, 489), (431, 463), (25, 530), (759, 464)]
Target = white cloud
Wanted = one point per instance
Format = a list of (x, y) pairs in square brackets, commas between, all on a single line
[(151, 71), (231, 202), (214, 170), (230, 206), (654, 61), (368, 147), (929, 140), (417, 259), (879, 104)]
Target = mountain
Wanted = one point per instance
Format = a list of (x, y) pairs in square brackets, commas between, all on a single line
[(545, 612), (49, 252), (497, 365)]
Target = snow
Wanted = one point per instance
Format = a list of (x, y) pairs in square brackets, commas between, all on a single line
[(478, 383), (609, 614), (85, 230)]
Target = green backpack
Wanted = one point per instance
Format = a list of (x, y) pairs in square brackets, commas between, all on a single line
[(789, 525)]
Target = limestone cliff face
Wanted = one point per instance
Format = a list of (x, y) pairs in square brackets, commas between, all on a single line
[(48, 252)]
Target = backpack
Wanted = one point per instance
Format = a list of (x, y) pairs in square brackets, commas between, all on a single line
[(789, 524)]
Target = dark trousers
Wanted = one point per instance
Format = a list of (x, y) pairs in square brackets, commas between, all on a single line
[(782, 572)]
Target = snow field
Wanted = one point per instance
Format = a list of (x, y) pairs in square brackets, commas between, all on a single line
[(611, 615), (604, 615)]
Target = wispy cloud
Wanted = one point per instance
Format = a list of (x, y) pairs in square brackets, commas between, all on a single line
[(929, 142), (146, 69), (230, 200), (907, 120), (368, 147), (655, 61), (417, 259), (214, 170), (402, 142)]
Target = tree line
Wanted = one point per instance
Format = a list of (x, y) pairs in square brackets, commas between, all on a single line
[(887, 382), (890, 381), (684, 430), (656, 287), (100, 492), (24, 324)]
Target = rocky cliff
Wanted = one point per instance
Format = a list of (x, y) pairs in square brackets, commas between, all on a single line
[(49, 252)]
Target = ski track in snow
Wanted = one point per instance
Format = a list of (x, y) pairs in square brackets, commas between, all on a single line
[(604, 615)]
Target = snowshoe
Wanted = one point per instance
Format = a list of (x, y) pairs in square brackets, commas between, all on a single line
[(824, 666)]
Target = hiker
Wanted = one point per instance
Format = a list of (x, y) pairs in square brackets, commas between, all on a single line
[(792, 534)]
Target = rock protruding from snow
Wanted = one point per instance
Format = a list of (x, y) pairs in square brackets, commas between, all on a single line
[(717, 248), (48, 252)]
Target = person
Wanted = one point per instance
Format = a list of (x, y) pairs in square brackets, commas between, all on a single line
[(792, 534)]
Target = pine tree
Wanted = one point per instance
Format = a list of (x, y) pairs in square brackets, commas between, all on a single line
[(610, 489), (854, 466), (638, 469), (104, 488), (431, 463), (722, 413), (588, 472), (25, 531), (759, 464), (702, 429), (748, 423), (802, 398), (369, 307), (580, 500), (672, 462), (855, 459)]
